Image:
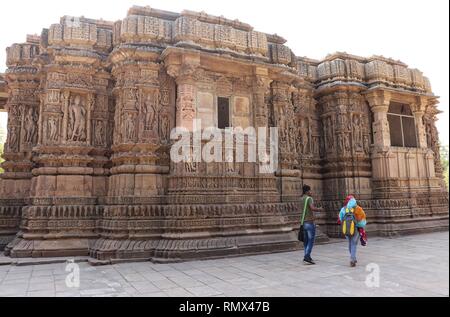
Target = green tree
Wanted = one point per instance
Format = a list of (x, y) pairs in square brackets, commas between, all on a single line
[(444, 162)]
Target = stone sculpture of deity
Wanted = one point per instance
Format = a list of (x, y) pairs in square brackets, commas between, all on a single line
[(165, 127), (30, 126), (99, 133), (149, 113), (52, 129), (305, 137), (13, 137), (129, 127), (357, 132), (77, 120)]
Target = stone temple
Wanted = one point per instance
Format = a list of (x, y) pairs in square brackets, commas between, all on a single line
[(91, 105)]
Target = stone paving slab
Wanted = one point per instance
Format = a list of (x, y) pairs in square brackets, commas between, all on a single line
[(408, 266)]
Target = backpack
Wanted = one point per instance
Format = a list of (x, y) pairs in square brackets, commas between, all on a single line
[(349, 223)]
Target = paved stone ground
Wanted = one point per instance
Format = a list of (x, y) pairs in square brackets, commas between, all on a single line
[(408, 266)]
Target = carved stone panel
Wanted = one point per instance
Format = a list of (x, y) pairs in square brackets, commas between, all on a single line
[(205, 109), (52, 129), (30, 126), (150, 107), (241, 112), (76, 116)]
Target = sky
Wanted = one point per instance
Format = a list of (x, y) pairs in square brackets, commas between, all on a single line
[(415, 32)]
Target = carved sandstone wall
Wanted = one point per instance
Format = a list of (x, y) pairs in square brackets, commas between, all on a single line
[(91, 105)]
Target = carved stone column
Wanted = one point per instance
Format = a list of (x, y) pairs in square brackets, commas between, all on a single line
[(261, 85), (346, 157), (418, 109), (184, 76), (379, 101), (262, 113), (23, 114), (432, 138), (69, 163), (288, 140), (144, 116), (379, 104)]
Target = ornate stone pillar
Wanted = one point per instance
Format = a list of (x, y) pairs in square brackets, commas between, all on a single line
[(184, 76), (284, 118), (288, 140), (262, 113), (418, 109), (379, 104), (346, 156), (260, 88), (22, 105), (432, 138), (70, 162), (379, 101), (144, 116)]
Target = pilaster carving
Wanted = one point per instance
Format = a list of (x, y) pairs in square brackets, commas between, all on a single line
[(379, 105)]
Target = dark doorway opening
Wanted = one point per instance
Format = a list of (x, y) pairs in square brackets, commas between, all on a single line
[(223, 112)]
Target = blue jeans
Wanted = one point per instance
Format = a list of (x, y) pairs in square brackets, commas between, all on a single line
[(352, 244), (310, 234)]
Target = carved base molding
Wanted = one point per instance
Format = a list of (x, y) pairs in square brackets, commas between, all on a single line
[(176, 250), (183, 232), (24, 248), (5, 240), (158, 232), (172, 233), (10, 217)]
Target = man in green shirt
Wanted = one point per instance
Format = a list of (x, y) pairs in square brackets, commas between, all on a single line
[(309, 226)]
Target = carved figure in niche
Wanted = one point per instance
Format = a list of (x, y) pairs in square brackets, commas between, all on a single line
[(321, 147), (315, 145), (304, 130), (77, 120), (292, 133), (149, 110), (429, 133), (342, 120), (366, 144), (282, 133), (165, 127), (30, 126), (434, 140), (13, 136), (347, 146), (129, 127), (52, 128), (99, 133), (329, 134), (357, 132), (340, 143), (110, 135)]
